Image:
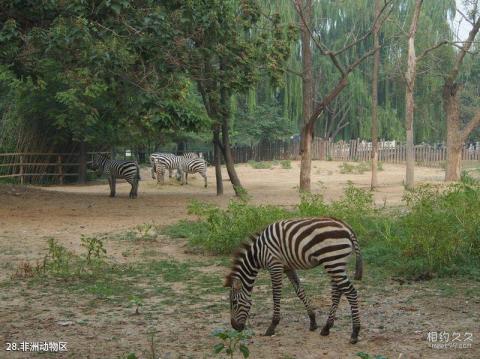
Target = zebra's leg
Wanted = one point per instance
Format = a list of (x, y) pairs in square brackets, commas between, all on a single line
[(153, 171), (133, 191), (276, 274), (344, 285), (170, 173), (336, 295), (186, 177), (292, 275), (204, 175), (111, 182)]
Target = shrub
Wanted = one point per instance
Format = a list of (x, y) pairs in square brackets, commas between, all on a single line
[(260, 165), (437, 233), (286, 164)]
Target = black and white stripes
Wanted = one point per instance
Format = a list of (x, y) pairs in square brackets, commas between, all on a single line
[(193, 165), (286, 246), (127, 170)]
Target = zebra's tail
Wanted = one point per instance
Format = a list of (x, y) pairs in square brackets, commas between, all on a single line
[(358, 258)]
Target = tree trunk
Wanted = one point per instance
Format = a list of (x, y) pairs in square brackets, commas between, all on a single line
[(409, 101), (456, 136), (226, 150), (217, 159), (82, 168), (376, 66), (307, 106)]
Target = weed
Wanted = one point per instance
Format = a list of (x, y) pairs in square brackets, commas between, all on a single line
[(260, 164), (363, 355), (358, 168), (95, 250), (232, 341), (286, 164)]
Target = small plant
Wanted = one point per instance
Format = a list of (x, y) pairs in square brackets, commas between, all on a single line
[(137, 302), (260, 165), (286, 164), (232, 341), (364, 355), (95, 250), (359, 168), (58, 259)]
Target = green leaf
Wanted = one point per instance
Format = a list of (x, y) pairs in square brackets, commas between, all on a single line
[(245, 351), (217, 348)]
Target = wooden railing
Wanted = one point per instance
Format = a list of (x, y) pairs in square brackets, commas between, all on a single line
[(37, 165)]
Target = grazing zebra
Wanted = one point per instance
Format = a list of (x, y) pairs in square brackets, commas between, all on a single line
[(288, 245), (194, 165), (128, 170)]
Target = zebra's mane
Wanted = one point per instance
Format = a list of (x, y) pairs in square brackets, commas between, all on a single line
[(237, 256)]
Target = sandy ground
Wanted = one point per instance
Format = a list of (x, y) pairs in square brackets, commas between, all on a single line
[(397, 317)]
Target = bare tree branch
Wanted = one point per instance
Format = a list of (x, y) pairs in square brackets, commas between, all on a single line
[(470, 126)]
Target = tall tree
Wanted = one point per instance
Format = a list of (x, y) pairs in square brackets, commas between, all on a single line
[(457, 133), (410, 75), (344, 67), (376, 67)]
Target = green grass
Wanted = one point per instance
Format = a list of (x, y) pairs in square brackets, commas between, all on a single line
[(358, 168), (260, 164)]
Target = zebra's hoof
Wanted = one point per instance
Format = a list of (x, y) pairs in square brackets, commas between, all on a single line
[(353, 340), (269, 332), (313, 327), (325, 331)]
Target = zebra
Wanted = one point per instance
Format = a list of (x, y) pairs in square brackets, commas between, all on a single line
[(194, 165), (286, 246), (169, 159), (114, 169)]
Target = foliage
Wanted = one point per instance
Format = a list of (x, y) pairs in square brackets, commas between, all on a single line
[(358, 168), (259, 165), (364, 355), (435, 235), (232, 341), (286, 164)]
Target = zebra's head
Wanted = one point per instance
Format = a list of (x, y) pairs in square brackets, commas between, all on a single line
[(240, 302), (98, 163)]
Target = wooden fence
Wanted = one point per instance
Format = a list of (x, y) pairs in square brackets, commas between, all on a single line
[(354, 150), (36, 167)]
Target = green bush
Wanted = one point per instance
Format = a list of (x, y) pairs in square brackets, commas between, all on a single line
[(259, 165), (436, 233), (286, 164)]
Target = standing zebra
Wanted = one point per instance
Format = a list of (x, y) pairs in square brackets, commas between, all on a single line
[(128, 170), (159, 155), (288, 245), (194, 165), (168, 160)]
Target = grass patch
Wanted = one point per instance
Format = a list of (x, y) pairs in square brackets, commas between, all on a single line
[(358, 168), (260, 164), (286, 164), (436, 233)]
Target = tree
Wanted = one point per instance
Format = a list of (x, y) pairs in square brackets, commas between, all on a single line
[(457, 133), (410, 75), (223, 46), (344, 71), (376, 66)]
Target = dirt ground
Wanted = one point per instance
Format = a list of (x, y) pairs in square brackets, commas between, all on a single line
[(183, 301)]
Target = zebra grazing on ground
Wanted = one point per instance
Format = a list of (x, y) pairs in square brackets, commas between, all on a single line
[(128, 170), (288, 245), (194, 165)]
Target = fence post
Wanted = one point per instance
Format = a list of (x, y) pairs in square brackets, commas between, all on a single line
[(60, 168), (82, 168), (21, 170)]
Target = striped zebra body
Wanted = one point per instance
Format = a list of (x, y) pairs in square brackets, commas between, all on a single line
[(284, 247), (160, 157), (194, 165), (113, 169)]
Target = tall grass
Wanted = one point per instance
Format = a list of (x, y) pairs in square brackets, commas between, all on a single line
[(437, 232)]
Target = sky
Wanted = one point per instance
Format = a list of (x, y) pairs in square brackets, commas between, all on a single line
[(459, 25)]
